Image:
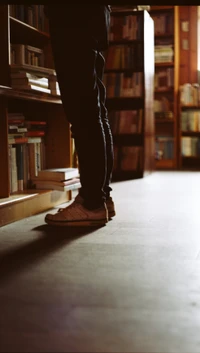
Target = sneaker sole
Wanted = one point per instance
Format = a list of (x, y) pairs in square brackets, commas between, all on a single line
[(111, 214), (78, 223)]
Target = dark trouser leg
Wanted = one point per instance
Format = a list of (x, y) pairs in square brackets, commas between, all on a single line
[(100, 62), (75, 58)]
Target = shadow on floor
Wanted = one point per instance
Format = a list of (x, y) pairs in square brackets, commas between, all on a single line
[(51, 239)]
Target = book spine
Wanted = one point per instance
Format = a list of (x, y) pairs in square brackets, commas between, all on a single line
[(13, 169), (20, 166)]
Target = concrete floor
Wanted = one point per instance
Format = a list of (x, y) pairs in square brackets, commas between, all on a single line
[(131, 286)]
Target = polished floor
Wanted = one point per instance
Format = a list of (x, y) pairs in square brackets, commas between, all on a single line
[(131, 286)]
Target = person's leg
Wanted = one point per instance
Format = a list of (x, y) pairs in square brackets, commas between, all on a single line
[(100, 63), (75, 66)]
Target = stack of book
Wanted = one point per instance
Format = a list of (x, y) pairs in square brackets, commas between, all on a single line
[(19, 129), (28, 71), (24, 80), (62, 179)]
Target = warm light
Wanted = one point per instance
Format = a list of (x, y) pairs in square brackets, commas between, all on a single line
[(198, 38)]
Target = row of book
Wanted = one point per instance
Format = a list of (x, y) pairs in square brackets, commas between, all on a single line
[(27, 169), (20, 129), (25, 160), (26, 54), (26, 146), (164, 147), (190, 120), (33, 15), (126, 27), (126, 121), (190, 146), (123, 85), (164, 79), (163, 108), (163, 53), (190, 94), (128, 158), (163, 23), (124, 57)]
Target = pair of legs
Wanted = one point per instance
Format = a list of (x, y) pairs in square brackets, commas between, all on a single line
[(79, 65)]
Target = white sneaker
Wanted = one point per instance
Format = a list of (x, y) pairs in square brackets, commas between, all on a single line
[(77, 215), (111, 207)]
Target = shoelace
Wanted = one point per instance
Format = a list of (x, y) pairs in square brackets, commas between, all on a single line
[(73, 204)]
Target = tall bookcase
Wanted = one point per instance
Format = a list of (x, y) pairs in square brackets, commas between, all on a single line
[(129, 77), (166, 84), (189, 127), (35, 106)]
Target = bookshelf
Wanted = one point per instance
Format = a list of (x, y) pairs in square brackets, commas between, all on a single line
[(189, 127), (33, 105), (129, 75), (166, 84)]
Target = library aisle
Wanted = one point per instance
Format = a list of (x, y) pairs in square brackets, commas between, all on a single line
[(131, 286)]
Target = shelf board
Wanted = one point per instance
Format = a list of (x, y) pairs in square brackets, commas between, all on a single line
[(125, 12), (29, 95), (190, 133), (162, 64), (163, 35), (165, 164), (194, 158), (164, 121), (166, 90), (29, 203), (161, 8), (188, 107), (24, 30)]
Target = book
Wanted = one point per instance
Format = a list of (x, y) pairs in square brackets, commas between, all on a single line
[(12, 140), (35, 125), (42, 82), (34, 133), (13, 169), (20, 166), (32, 87), (66, 185), (37, 70), (26, 54), (58, 174), (46, 80)]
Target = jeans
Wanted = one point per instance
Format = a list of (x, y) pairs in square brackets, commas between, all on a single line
[(79, 65)]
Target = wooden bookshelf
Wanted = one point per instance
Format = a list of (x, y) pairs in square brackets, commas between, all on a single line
[(166, 21), (35, 106), (189, 128), (134, 149)]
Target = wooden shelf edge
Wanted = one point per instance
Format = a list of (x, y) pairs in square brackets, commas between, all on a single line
[(160, 8), (9, 92), (189, 106), (26, 25), (165, 164), (166, 63), (30, 203), (164, 120)]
